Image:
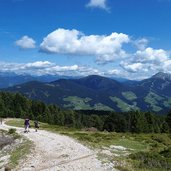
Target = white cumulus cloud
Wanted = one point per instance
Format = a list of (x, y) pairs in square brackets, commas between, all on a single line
[(46, 67), (98, 4), (26, 43), (151, 55), (38, 64), (141, 44), (134, 67), (105, 48), (148, 62)]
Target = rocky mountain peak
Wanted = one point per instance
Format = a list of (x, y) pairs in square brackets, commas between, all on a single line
[(162, 75)]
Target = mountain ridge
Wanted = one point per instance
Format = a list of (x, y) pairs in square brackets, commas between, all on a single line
[(101, 93), (162, 75)]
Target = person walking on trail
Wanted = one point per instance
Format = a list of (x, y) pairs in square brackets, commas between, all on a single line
[(26, 125), (36, 125)]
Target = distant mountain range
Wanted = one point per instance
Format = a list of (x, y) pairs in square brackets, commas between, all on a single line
[(101, 93), (9, 79)]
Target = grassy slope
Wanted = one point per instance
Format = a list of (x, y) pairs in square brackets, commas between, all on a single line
[(150, 143), (78, 103), (123, 106), (153, 99), (129, 95)]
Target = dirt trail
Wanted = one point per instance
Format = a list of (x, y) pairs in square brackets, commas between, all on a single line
[(54, 152)]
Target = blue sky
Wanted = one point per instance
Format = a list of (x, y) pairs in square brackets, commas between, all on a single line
[(119, 38)]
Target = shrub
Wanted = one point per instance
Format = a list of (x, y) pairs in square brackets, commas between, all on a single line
[(151, 160), (12, 131), (166, 152)]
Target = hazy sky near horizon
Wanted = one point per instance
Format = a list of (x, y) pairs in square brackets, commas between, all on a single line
[(118, 38)]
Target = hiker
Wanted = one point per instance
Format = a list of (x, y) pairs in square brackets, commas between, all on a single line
[(1, 120), (36, 125), (26, 125)]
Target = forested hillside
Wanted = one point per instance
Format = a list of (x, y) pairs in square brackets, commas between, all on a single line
[(16, 105), (100, 93)]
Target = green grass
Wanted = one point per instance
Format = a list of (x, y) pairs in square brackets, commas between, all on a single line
[(153, 99), (167, 103), (20, 153), (100, 106), (124, 107), (15, 122), (77, 103), (100, 139), (129, 95)]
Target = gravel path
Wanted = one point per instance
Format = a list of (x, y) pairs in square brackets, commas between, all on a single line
[(54, 152)]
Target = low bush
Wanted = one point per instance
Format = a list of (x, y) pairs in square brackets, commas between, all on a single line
[(166, 152), (150, 160), (12, 131)]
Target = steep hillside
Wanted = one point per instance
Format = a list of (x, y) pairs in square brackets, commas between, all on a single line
[(160, 83)]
